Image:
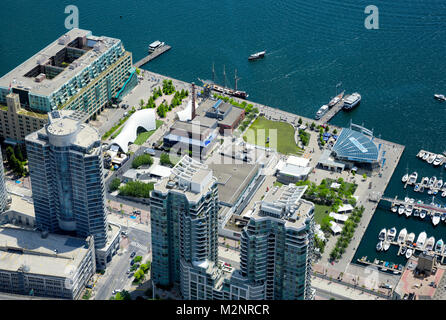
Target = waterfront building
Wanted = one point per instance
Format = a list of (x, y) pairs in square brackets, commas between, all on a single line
[(277, 245), (66, 170), (3, 192), (78, 71), (44, 264)]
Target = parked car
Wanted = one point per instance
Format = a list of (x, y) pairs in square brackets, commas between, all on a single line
[(133, 254), (150, 151)]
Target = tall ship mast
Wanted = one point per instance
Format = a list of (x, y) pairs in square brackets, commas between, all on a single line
[(224, 89)]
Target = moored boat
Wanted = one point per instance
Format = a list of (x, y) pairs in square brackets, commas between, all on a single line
[(386, 245), (401, 209), (409, 252), (421, 240), (379, 246), (351, 101), (439, 246), (430, 243), (382, 234), (410, 238), (405, 177), (402, 235), (436, 218)]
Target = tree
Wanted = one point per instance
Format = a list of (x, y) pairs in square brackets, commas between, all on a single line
[(300, 121), (143, 159), (114, 184), (165, 159)]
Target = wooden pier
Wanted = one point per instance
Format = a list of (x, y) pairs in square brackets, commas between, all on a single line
[(430, 208), (152, 56), (332, 112), (380, 266)]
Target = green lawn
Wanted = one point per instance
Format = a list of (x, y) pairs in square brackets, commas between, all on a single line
[(320, 212), (258, 132), (143, 136)]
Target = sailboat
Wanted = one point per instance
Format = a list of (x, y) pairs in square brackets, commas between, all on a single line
[(224, 89)]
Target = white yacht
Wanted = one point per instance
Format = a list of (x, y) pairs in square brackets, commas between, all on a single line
[(408, 211), (425, 181), (413, 178), (409, 252), (386, 245), (439, 184), (439, 246), (401, 209), (421, 240), (405, 177), (430, 244), (416, 213), (379, 246), (391, 234), (431, 158), (402, 235), (410, 238), (322, 110), (440, 97), (426, 156), (394, 208), (443, 194), (423, 214), (403, 250), (420, 154), (382, 234), (436, 218), (432, 181), (438, 160)]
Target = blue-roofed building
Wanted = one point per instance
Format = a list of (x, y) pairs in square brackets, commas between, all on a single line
[(356, 145)]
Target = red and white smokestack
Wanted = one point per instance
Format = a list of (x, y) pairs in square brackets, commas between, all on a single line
[(193, 100)]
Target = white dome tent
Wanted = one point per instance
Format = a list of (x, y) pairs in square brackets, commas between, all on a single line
[(143, 118)]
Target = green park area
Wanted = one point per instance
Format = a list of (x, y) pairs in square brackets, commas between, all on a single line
[(262, 128), (143, 136)]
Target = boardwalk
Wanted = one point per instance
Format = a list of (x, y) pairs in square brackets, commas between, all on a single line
[(332, 112), (152, 56)]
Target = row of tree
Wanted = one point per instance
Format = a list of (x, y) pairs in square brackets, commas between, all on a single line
[(136, 189), (16, 160)]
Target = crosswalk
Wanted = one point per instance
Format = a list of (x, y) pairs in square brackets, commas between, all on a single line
[(139, 246)]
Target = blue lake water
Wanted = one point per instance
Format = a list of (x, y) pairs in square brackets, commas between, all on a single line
[(311, 46)]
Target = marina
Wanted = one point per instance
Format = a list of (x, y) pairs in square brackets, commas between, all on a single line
[(153, 53), (433, 185), (437, 160)]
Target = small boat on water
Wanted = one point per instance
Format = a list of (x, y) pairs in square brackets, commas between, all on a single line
[(394, 208), (257, 55), (430, 244), (426, 156), (417, 187), (391, 234), (436, 218), (410, 238), (421, 240), (421, 154), (443, 194), (425, 181), (423, 214), (439, 246), (403, 251), (402, 235), (438, 160), (335, 100), (379, 246), (408, 210), (440, 97), (405, 177), (401, 209), (386, 245), (413, 178), (409, 252), (431, 158), (416, 213), (439, 184), (382, 234)]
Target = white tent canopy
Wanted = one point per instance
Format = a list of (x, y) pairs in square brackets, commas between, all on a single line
[(143, 118), (186, 114)]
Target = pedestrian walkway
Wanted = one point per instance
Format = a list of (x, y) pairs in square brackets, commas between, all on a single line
[(341, 290)]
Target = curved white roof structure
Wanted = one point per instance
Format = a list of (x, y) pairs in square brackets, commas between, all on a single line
[(143, 118), (186, 114)]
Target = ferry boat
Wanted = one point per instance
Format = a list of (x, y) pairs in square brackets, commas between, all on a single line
[(421, 240), (430, 244), (257, 55), (322, 110), (335, 100), (352, 101), (402, 235), (156, 45), (439, 246), (382, 234), (440, 97), (379, 246), (409, 252)]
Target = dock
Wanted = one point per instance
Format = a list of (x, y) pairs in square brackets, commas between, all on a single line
[(430, 208), (332, 112), (380, 264), (443, 161), (152, 56)]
